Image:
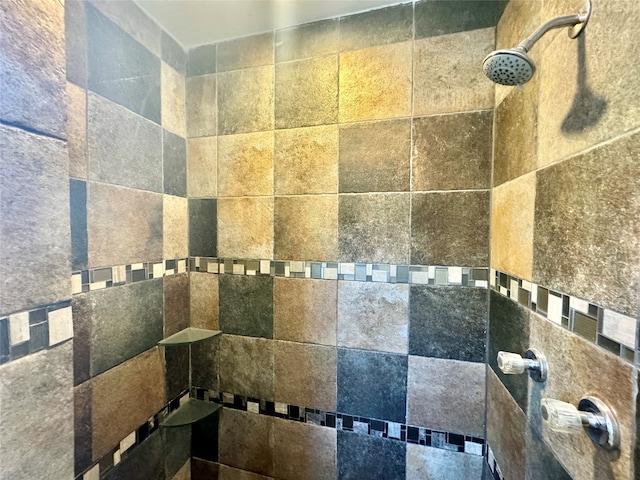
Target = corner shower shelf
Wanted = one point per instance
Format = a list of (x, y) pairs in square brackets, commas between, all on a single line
[(188, 336), (190, 412)]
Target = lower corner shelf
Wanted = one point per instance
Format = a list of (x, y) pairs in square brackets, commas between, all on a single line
[(190, 412)]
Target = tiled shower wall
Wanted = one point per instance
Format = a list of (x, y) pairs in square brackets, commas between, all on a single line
[(565, 223), (349, 142)]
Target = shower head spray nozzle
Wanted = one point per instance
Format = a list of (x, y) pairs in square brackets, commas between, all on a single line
[(513, 66)]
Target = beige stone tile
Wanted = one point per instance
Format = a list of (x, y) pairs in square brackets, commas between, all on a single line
[(306, 160), (245, 164), (247, 366), (77, 130), (305, 374), (361, 306), (245, 52), (306, 227), (304, 451), (245, 100), (203, 289), (587, 94), (512, 211), (587, 370), (305, 310), (175, 241), (173, 110), (176, 303), (434, 60), (201, 105), (245, 227), (124, 398), (446, 395), (375, 83), (307, 92), (248, 443), (202, 167)]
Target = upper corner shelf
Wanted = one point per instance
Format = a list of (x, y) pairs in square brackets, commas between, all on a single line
[(188, 336)]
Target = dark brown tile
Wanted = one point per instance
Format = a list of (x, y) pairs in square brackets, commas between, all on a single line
[(446, 395), (34, 220), (305, 374), (375, 157), (305, 227), (307, 40), (176, 303), (450, 228), (245, 52), (247, 366), (452, 152), (377, 27), (245, 100), (33, 66), (248, 444), (373, 228), (587, 217), (306, 92)]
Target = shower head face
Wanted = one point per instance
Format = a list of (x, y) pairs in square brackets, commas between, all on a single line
[(508, 67)]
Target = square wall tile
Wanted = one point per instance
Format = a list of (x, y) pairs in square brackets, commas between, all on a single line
[(146, 461), (201, 60), (203, 227), (304, 310), (246, 305), (34, 220), (249, 444), (307, 40), (125, 321), (175, 225), (306, 92), (452, 152), (381, 26), (38, 441), (203, 288), (172, 53), (205, 371), (372, 384), (306, 160), (246, 227), (132, 217), (131, 77), (375, 83), (177, 450), (375, 157), (450, 228), (306, 227), (201, 106), (77, 130), (246, 366), (567, 254), (245, 100), (448, 322), (245, 52), (305, 374), (363, 456), (78, 212), (446, 395), (303, 451), (123, 148), (512, 216), (245, 164), (33, 66), (174, 163), (442, 18), (202, 167), (174, 114), (373, 316), (434, 91), (124, 398), (176, 303), (427, 463), (373, 228)]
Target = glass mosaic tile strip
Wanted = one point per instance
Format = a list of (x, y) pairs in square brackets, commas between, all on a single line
[(24, 333), (493, 464), (352, 423), (606, 328)]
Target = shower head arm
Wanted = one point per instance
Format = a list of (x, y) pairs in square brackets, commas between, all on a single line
[(558, 22)]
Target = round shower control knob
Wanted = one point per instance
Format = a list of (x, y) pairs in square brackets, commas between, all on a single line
[(511, 363), (561, 416)]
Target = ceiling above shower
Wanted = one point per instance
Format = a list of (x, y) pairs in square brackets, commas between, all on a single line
[(199, 22)]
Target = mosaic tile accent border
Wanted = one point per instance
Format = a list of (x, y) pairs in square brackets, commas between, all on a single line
[(361, 425), (493, 465), (24, 333), (610, 330), (361, 272)]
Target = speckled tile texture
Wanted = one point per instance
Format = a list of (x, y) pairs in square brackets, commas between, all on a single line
[(435, 18), (245, 164), (77, 130), (173, 108), (176, 303), (246, 305), (245, 227), (201, 107), (426, 463), (375, 157), (201, 60), (202, 167), (361, 456), (377, 27), (203, 289), (174, 164), (145, 462), (203, 221), (245, 52), (307, 40), (175, 226)]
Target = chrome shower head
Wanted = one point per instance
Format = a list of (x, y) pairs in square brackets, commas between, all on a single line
[(509, 67)]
